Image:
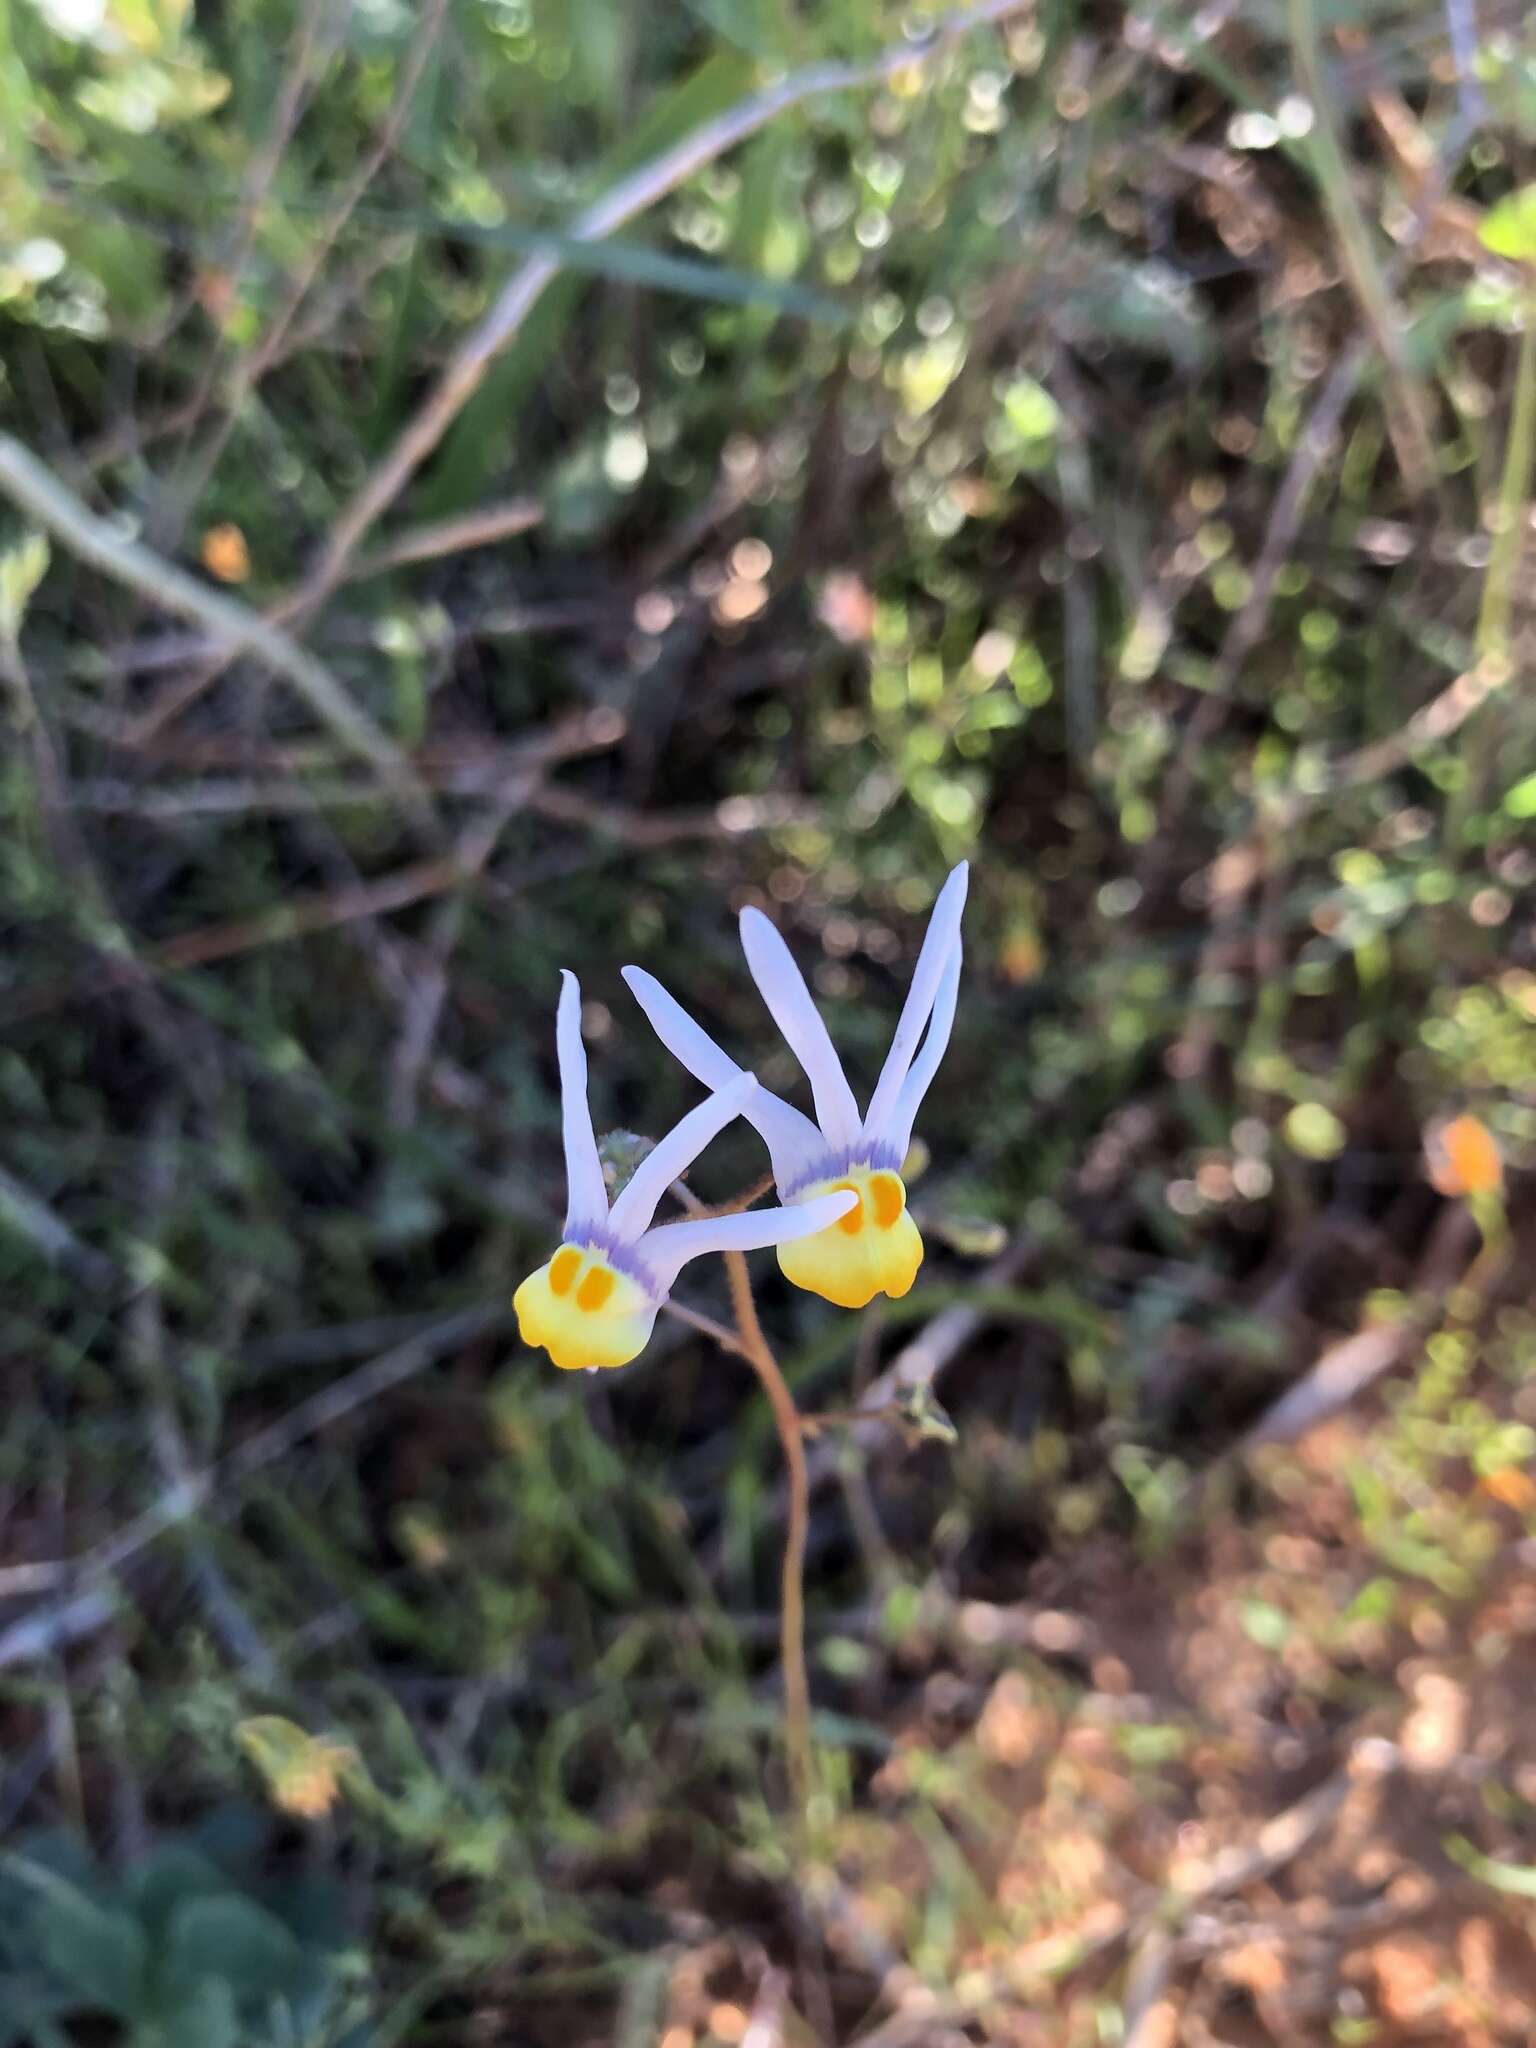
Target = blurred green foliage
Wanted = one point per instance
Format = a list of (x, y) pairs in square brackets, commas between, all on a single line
[(176, 1951)]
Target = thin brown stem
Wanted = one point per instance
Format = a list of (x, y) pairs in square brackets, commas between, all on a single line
[(797, 1691)]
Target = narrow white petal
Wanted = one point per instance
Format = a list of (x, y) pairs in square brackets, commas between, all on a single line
[(938, 942), (789, 1000), (898, 1132), (795, 1146), (586, 1196), (666, 1249), (672, 1155)]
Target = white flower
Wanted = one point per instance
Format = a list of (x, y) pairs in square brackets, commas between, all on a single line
[(596, 1300), (874, 1247)]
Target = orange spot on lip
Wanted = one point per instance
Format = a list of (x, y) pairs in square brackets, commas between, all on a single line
[(887, 1197), (562, 1269), (595, 1289), (853, 1222)]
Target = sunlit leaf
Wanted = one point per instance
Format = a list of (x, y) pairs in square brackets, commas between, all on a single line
[(1509, 229), (303, 1772), (1030, 410), (149, 95), (924, 1417), (973, 1237), (233, 1940), (23, 566), (100, 1952), (1313, 1130), (1517, 1879), (754, 26)]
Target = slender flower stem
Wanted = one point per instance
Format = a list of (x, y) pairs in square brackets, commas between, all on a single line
[(750, 1344), (797, 1691)]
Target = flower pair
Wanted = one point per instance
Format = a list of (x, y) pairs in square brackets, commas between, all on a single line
[(842, 1229)]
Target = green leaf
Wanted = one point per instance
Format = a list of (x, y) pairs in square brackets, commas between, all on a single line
[(752, 25), (1030, 410), (28, 2008), (1518, 1879), (973, 1237), (100, 1954), (601, 46), (1520, 801), (477, 442), (1146, 306), (708, 90), (52, 1849), (1265, 1624), (1506, 1444), (642, 2002), (233, 1939), (173, 1874), (205, 2016), (1509, 228), (1313, 1130), (145, 96), (921, 1412), (128, 264), (635, 263)]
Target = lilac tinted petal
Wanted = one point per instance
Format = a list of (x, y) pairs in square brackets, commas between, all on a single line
[(668, 1248), (898, 1134), (674, 1154), (586, 1196), (794, 1143), (938, 942), (789, 1000)]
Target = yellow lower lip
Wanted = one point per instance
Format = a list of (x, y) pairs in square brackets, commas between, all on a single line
[(874, 1249), (583, 1311)]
